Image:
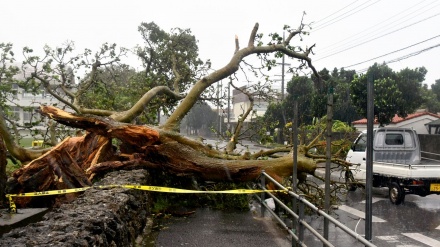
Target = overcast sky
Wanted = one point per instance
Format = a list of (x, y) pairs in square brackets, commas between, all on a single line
[(345, 32)]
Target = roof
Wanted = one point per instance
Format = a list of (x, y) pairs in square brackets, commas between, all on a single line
[(435, 122), (397, 119)]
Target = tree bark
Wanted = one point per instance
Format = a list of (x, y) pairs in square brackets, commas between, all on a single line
[(77, 160), (3, 176)]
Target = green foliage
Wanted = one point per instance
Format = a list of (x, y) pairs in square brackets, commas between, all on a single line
[(394, 92), (163, 202), (312, 99), (11, 167), (435, 88), (431, 97), (7, 73), (201, 116), (166, 56), (300, 89)]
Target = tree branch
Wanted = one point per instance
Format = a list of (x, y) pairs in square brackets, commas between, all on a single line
[(251, 42), (46, 84), (133, 112)]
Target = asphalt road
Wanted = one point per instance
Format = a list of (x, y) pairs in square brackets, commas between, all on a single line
[(214, 228), (414, 223)]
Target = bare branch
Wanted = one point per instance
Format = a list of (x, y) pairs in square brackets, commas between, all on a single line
[(129, 115), (252, 36), (46, 84), (237, 44)]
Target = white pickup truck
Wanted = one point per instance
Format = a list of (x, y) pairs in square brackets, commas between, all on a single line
[(397, 164)]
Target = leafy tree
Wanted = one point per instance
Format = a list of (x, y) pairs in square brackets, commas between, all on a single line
[(201, 116), (343, 107), (430, 99), (394, 93), (436, 89), (7, 72), (312, 101), (300, 89), (319, 98), (181, 80)]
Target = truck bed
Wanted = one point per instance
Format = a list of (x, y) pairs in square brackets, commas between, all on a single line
[(426, 169)]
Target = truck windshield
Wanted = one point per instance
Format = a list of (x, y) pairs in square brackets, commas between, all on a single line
[(360, 144)]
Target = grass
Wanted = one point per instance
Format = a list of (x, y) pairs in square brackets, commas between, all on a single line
[(26, 142), (11, 167)]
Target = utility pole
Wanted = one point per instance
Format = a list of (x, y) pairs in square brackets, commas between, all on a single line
[(282, 76), (220, 112), (283, 63), (229, 102), (328, 159), (369, 159), (218, 105)]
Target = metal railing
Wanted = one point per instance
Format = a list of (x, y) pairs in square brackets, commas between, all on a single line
[(299, 217)]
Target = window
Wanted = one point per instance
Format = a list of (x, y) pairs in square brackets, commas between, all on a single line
[(394, 139), (360, 144), (27, 116)]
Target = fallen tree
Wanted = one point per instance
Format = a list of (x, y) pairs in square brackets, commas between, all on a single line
[(112, 143)]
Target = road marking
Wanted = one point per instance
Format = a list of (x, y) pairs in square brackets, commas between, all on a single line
[(396, 241), (423, 239), (375, 199), (389, 239), (438, 228), (358, 213)]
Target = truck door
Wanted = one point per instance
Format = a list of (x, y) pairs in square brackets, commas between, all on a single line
[(357, 153)]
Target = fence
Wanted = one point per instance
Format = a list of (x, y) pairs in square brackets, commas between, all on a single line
[(297, 232)]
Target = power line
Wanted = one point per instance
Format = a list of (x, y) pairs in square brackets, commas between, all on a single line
[(393, 52), (367, 41), (336, 12), (381, 26), (319, 27), (404, 57)]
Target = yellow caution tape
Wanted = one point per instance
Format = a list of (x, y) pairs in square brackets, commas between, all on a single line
[(13, 208), (174, 190)]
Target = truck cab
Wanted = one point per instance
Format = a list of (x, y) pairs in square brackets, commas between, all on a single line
[(390, 145), (397, 164)]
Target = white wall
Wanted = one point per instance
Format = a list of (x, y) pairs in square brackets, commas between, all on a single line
[(417, 123)]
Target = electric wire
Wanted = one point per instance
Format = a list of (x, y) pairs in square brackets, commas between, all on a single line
[(375, 38), (336, 12), (365, 33), (403, 57), (319, 27), (392, 52)]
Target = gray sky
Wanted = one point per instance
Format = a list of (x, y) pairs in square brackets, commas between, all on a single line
[(345, 32)]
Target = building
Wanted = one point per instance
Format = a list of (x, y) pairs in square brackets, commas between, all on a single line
[(241, 103), (25, 107), (416, 121)]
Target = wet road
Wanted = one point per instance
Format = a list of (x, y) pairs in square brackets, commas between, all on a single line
[(414, 223), (215, 228)]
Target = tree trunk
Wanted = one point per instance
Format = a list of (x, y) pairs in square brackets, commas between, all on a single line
[(3, 176), (75, 161)]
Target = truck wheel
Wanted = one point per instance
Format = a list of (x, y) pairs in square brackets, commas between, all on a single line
[(396, 193), (349, 181)]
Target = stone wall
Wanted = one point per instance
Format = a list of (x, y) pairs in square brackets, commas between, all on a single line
[(98, 217)]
